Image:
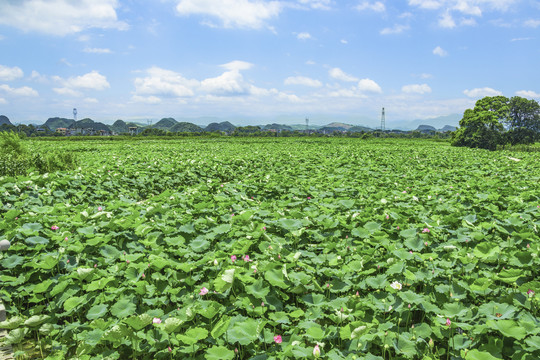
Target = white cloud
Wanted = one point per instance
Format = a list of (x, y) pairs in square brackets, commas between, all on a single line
[(440, 51), (397, 29), (22, 91), (229, 83), (67, 92), (97, 51), (467, 22), (60, 17), (339, 74), (91, 81), (303, 36), (482, 92), (447, 21), (368, 85), (528, 94), (10, 73), (161, 82), (251, 14), (237, 65), (72, 86), (302, 80), (426, 4), (416, 89), (534, 23), (376, 6), (90, 100), (3, 101), (465, 7), (343, 41), (35, 76), (448, 8), (317, 4)]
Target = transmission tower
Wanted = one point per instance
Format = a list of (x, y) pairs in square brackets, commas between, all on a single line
[(307, 125), (383, 120), (75, 114), (149, 122)]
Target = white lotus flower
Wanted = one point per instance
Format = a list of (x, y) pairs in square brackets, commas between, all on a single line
[(396, 285)]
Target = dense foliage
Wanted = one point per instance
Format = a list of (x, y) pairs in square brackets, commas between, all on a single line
[(274, 249), (498, 121), (17, 159)]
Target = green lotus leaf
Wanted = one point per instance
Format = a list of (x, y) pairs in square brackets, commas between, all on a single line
[(219, 353), (96, 311), (123, 308)]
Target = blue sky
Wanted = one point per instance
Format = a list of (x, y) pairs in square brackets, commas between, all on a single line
[(264, 60)]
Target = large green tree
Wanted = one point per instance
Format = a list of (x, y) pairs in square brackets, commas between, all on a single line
[(497, 120), (523, 121)]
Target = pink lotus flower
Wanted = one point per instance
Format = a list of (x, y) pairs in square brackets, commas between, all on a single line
[(426, 230), (66, 239), (264, 228), (156, 321), (316, 351), (143, 276), (99, 208), (95, 265), (262, 304), (169, 348), (530, 292), (54, 227), (278, 339), (246, 258), (448, 322), (204, 291), (309, 197), (233, 258)]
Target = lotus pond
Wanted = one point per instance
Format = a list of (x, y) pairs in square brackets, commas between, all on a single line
[(273, 249)]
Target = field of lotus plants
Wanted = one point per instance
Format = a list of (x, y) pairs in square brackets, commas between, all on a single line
[(273, 249)]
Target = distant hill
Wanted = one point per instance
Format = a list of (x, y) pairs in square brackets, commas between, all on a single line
[(339, 125), (360, 129), (56, 122), (426, 128), (89, 124), (222, 126), (278, 127), (165, 124), (303, 127), (120, 127), (448, 128), (437, 122), (185, 127), (4, 120)]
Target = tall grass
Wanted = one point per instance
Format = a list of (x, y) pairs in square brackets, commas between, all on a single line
[(16, 159)]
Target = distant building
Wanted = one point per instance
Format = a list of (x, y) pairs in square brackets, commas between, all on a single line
[(61, 131)]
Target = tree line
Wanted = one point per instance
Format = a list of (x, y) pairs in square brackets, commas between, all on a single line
[(498, 120)]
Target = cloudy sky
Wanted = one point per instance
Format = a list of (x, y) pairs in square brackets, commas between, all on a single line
[(125, 59)]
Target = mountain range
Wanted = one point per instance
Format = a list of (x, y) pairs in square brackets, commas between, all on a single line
[(444, 123)]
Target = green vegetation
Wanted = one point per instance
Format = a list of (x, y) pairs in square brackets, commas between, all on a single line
[(240, 248), (496, 121), (17, 159)]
